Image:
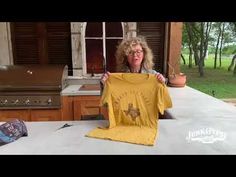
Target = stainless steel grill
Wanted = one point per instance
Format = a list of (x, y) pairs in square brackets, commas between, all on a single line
[(32, 86)]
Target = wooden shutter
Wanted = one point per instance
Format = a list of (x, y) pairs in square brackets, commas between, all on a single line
[(42, 43), (154, 33), (25, 43), (59, 43)]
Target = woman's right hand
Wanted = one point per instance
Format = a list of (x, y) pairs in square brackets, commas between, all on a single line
[(105, 77)]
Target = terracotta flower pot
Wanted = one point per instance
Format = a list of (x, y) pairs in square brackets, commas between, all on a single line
[(177, 80)]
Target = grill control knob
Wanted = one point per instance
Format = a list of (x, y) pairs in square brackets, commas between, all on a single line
[(15, 102), (5, 102), (27, 102), (49, 101)]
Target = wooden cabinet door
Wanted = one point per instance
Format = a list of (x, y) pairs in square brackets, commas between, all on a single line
[(104, 112), (46, 115), (6, 115), (86, 106), (67, 108)]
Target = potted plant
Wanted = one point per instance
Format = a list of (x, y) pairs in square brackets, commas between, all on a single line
[(176, 80)]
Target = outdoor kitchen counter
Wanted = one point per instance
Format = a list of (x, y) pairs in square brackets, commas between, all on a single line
[(194, 112), (73, 90)]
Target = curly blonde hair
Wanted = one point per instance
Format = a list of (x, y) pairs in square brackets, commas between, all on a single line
[(124, 49)]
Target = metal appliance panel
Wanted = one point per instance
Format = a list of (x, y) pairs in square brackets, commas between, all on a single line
[(32, 86)]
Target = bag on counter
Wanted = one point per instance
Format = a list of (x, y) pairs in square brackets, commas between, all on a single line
[(11, 131)]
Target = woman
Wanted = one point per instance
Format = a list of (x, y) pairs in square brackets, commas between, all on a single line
[(134, 56)]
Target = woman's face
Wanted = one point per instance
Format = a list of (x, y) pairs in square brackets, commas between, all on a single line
[(135, 56)]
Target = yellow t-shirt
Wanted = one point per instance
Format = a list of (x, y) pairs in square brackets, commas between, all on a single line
[(134, 103)]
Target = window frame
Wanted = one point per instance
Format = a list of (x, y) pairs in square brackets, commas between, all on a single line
[(103, 38)]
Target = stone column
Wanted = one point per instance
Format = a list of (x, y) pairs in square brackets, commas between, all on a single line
[(131, 29), (5, 44), (76, 48)]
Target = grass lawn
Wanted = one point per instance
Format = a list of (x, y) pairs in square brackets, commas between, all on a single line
[(216, 82)]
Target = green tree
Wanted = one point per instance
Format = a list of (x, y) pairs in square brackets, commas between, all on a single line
[(198, 35), (187, 44), (233, 27)]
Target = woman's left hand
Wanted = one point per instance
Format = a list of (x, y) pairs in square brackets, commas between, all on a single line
[(160, 77)]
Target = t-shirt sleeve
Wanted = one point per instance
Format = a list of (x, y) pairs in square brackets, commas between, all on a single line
[(107, 100), (163, 98), (106, 96)]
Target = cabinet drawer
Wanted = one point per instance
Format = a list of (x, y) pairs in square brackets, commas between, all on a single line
[(45, 115), (86, 106), (90, 107), (7, 115), (90, 110)]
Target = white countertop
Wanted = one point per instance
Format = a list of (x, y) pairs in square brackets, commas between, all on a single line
[(73, 90), (193, 112)]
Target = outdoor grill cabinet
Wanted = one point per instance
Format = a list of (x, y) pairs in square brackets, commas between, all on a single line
[(73, 108), (32, 92), (83, 107), (31, 115)]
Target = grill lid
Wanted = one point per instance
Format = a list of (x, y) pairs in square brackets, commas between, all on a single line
[(33, 77)]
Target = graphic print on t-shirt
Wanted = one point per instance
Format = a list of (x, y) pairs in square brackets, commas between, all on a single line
[(133, 112)]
